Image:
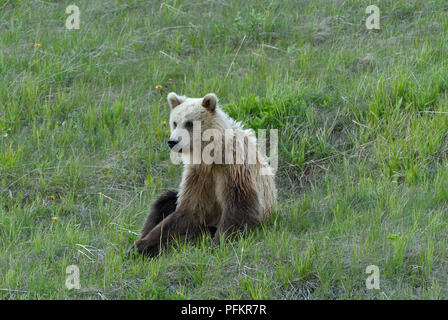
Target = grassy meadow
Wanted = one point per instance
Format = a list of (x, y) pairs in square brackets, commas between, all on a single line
[(363, 149)]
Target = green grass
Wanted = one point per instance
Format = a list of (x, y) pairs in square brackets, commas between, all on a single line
[(363, 149)]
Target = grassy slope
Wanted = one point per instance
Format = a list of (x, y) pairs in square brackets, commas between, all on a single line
[(363, 145)]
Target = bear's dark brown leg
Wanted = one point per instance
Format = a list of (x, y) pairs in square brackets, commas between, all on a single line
[(179, 225), (161, 208)]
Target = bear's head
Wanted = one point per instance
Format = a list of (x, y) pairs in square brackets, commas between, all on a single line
[(190, 118)]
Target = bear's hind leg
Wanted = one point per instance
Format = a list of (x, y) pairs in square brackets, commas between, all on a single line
[(161, 208), (164, 206), (179, 224)]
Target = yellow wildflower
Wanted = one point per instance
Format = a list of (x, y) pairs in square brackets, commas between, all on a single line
[(52, 197), (54, 218), (158, 86), (164, 123), (37, 45)]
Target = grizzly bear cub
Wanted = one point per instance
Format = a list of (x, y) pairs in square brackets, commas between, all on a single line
[(223, 194)]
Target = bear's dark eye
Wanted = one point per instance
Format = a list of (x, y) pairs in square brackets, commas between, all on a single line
[(175, 124), (188, 125)]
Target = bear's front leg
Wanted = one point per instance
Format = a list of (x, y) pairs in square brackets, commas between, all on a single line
[(229, 227), (179, 224), (241, 210)]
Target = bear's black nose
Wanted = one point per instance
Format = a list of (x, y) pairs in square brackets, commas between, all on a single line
[(172, 143)]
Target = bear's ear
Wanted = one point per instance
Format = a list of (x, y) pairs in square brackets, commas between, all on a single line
[(174, 100), (209, 102)]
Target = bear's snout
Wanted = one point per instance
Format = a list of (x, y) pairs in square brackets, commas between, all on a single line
[(172, 143)]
